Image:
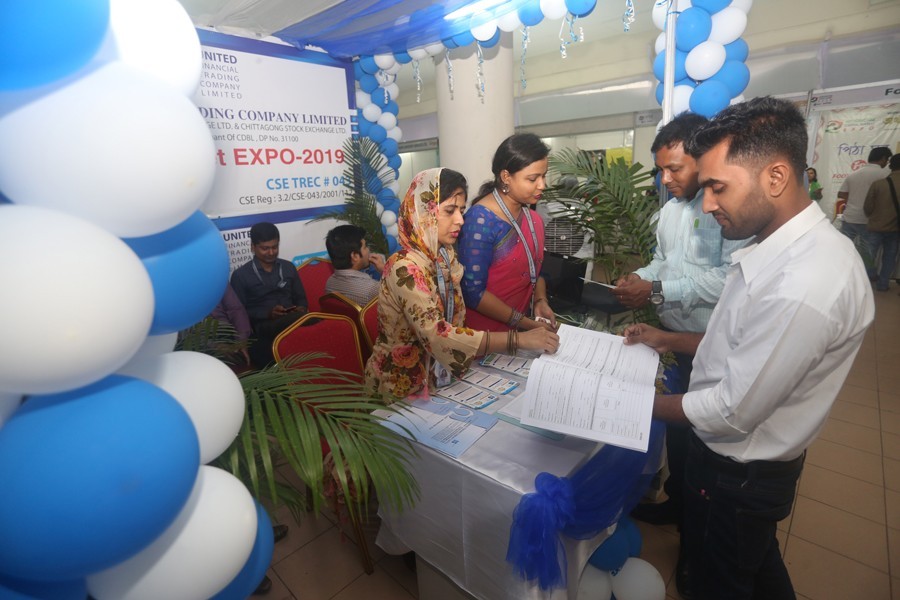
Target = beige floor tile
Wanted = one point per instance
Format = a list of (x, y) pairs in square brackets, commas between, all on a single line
[(890, 444), (782, 537), (660, 549), (299, 534), (842, 532), (894, 550), (865, 366), (888, 380), (845, 460), (396, 567), (321, 568), (279, 590), (843, 492), (889, 402), (849, 412), (867, 396), (892, 502), (851, 434), (863, 380), (377, 586), (895, 588), (892, 474), (821, 574), (890, 422)]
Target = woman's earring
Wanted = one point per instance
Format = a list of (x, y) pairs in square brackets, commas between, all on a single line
[(505, 188)]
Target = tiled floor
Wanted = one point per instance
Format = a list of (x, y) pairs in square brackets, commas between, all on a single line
[(842, 541)]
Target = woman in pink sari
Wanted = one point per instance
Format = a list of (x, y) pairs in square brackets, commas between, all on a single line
[(501, 243)]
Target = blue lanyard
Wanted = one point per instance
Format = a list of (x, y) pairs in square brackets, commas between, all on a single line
[(532, 271), (281, 281), (446, 295)]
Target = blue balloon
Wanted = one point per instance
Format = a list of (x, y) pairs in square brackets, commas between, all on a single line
[(493, 41), (709, 97), (402, 57), (659, 64), (391, 107), (632, 534), (377, 133), (710, 6), (385, 196), (380, 97), (245, 582), (374, 185), (357, 70), (612, 553), (92, 476), (188, 266), (735, 75), (368, 83), (463, 39), (737, 50), (395, 161), (660, 90), (389, 147), (393, 244), (10, 588), (693, 28), (581, 8), (530, 13), (367, 63), (41, 42), (364, 125), (450, 43)]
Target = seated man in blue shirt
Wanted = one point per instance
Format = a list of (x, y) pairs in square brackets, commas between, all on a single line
[(270, 290), (346, 245)]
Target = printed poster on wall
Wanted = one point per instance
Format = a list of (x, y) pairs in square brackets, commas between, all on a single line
[(279, 118)]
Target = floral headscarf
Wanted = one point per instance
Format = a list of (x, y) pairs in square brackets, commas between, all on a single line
[(417, 222)]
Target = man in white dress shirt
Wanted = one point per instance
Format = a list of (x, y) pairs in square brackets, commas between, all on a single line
[(795, 308)]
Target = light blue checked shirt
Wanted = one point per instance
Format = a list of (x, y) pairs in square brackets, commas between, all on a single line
[(690, 260)]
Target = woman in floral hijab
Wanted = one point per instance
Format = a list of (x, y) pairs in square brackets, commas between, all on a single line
[(421, 339)]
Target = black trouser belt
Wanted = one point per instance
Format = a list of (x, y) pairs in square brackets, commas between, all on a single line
[(759, 468)]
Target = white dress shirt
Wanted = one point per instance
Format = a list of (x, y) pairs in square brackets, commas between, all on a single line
[(690, 260), (856, 186), (780, 342)]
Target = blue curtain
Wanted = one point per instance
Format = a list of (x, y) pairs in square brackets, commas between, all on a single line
[(606, 488)]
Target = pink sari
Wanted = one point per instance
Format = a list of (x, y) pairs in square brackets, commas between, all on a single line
[(508, 277)]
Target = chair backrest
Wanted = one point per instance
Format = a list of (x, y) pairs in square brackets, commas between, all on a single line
[(314, 273), (335, 335), (369, 321), (335, 303)]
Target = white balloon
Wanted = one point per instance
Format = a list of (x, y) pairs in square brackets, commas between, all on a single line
[(485, 31), (638, 580), (594, 584), (509, 22), (74, 309), (737, 99), (115, 147), (8, 405), (137, 26), (742, 5), (393, 186), (660, 44), (384, 61), (363, 99), (434, 49), (372, 112), (388, 218), (394, 68), (393, 91), (727, 25), (395, 134), (554, 9), (660, 7), (155, 345), (681, 98), (704, 60), (417, 53), (198, 555), (379, 209), (393, 230), (205, 387), (387, 120)]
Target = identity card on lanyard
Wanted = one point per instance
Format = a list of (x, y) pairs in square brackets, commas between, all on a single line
[(532, 269), (445, 289)]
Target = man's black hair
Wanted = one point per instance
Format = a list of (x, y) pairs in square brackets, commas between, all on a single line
[(757, 131), (263, 232), (894, 163), (341, 242), (677, 131), (879, 153)]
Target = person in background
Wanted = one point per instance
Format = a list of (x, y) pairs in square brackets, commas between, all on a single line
[(883, 214), (230, 311), (815, 188), (270, 290), (778, 347), (350, 255), (502, 242), (853, 191), (422, 339)]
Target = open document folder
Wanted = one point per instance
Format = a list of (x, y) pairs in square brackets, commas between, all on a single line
[(594, 387)]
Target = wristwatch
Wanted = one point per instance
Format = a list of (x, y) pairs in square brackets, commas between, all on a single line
[(656, 297)]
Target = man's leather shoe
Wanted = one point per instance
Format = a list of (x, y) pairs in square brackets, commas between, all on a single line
[(279, 532), (264, 587), (663, 513), (682, 579)]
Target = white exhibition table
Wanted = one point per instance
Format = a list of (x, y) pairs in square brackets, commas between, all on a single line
[(461, 523)]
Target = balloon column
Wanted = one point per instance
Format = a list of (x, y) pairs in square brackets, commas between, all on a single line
[(614, 569), (710, 55), (104, 431)]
